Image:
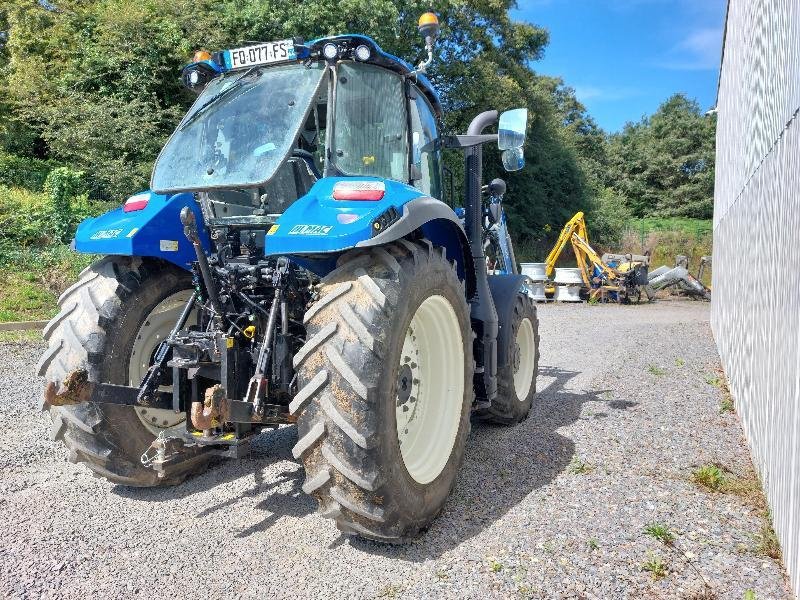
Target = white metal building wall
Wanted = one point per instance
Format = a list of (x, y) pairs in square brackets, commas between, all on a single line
[(756, 277)]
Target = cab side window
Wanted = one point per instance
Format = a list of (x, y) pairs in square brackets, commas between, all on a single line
[(426, 155)]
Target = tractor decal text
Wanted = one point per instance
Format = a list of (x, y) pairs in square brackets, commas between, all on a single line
[(310, 230), (105, 234)]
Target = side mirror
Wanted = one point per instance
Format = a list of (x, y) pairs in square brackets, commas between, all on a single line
[(511, 129), (513, 159)]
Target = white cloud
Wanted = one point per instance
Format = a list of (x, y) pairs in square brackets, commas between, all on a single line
[(698, 51)]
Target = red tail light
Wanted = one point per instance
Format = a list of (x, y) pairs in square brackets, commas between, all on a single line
[(137, 202), (370, 191)]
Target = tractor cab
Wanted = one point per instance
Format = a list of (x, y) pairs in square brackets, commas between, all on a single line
[(272, 120)]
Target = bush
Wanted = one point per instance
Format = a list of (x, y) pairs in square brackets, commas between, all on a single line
[(63, 185), (606, 218), (38, 222), (30, 173)]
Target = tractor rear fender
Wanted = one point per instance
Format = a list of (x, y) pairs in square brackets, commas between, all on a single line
[(153, 228), (319, 227), (440, 225), (504, 290)]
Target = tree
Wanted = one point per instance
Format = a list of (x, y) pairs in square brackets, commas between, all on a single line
[(96, 84), (664, 164)]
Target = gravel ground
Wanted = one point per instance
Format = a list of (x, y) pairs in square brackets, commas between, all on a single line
[(554, 507)]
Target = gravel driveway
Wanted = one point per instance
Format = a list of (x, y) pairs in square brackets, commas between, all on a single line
[(555, 507)]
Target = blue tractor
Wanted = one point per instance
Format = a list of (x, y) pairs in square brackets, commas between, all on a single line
[(294, 263)]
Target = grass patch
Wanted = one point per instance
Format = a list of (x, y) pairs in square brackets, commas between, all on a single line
[(655, 370), (593, 544), (726, 405), (655, 565), (767, 543), (661, 532), (26, 336), (679, 362), (710, 477), (577, 466), (24, 298), (716, 478), (495, 566), (32, 279)]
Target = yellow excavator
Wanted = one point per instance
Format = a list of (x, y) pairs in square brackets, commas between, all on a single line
[(617, 277)]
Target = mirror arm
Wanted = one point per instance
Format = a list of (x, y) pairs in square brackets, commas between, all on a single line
[(467, 141)]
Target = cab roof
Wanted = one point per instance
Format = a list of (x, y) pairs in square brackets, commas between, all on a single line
[(346, 43), (381, 58)]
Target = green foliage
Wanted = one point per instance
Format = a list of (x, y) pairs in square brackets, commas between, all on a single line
[(18, 171), (664, 164), (608, 217), (577, 466), (661, 532), (62, 185), (23, 299), (655, 565), (710, 477)]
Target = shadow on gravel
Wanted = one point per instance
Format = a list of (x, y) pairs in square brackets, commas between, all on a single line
[(502, 466), (274, 447)]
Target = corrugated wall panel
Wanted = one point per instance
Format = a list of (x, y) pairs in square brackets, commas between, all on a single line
[(756, 277)]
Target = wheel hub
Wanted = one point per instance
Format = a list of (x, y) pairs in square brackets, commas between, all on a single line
[(155, 327), (430, 389), (404, 385), (524, 359)]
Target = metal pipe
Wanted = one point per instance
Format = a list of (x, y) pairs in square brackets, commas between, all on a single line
[(190, 231), (482, 307)]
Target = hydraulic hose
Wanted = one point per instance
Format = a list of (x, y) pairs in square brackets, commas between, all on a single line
[(190, 231)]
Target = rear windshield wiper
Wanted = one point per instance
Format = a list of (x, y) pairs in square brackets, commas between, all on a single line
[(237, 84)]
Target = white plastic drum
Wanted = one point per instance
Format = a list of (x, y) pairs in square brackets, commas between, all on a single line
[(536, 291), (568, 293), (569, 276), (536, 271)]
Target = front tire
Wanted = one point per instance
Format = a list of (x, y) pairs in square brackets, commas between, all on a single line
[(516, 381), (103, 321), (385, 390)]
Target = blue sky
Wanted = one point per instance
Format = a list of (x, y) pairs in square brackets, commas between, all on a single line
[(625, 57)]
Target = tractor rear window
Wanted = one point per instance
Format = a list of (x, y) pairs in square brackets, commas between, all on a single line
[(370, 128), (239, 130)]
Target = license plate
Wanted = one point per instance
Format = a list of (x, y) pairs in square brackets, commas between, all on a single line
[(262, 54)]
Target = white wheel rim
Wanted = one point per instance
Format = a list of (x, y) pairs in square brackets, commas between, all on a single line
[(155, 327), (430, 389), (523, 359)]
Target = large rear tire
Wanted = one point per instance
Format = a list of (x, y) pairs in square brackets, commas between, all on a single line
[(105, 320), (385, 390)]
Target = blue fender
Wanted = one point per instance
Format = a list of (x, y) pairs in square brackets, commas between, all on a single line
[(504, 290), (316, 228), (153, 231), (317, 223)]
